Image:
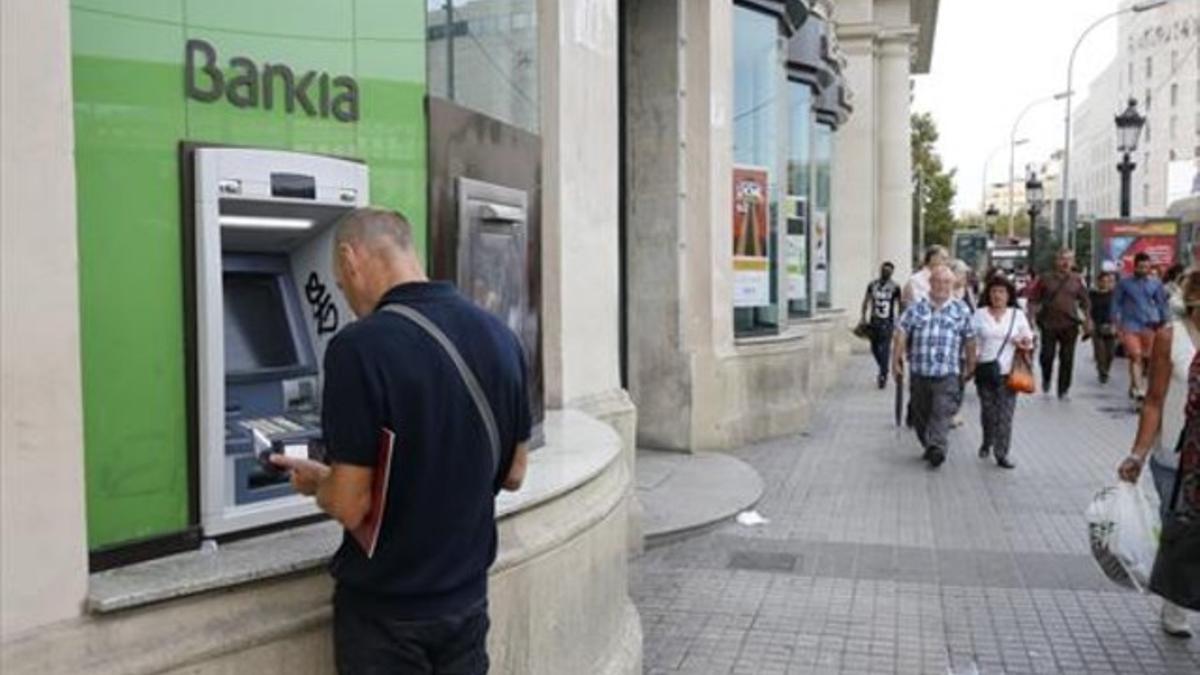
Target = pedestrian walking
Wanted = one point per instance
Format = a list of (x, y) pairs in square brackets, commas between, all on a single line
[(1104, 337), (879, 308), (1168, 433), (1060, 306), (446, 380), (933, 336), (1001, 333), (1140, 306), (965, 294), (917, 287)]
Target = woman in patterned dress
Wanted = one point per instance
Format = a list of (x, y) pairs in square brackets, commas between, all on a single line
[(1169, 424)]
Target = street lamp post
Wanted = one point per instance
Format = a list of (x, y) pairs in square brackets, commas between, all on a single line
[(1033, 196), (1012, 152), (1129, 130), (1066, 171)]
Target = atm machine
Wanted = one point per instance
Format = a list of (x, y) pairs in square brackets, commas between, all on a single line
[(267, 305)]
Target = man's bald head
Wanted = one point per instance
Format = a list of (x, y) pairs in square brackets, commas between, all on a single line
[(373, 252), (378, 230), (941, 283)]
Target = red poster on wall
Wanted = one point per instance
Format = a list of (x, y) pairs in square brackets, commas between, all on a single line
[(1120, 240), (751, 225)]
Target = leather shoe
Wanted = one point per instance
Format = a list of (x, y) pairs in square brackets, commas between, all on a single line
[(1005, 463), (1174, 621)]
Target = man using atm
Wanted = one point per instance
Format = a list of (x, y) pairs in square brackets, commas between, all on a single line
[(426, 416)]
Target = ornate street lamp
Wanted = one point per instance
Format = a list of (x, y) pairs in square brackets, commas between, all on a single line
[(1129, 130)]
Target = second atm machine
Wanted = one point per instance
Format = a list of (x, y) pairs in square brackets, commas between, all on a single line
[(266, 306)]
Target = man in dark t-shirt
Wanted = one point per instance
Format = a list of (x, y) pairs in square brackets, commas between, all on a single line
[(419, 603), (1104, 342), (879, 314)]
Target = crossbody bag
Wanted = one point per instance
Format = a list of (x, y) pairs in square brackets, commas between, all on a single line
[(464, 373), (1044, 307)]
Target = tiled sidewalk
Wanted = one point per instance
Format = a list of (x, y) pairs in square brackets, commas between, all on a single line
[(873, 563)]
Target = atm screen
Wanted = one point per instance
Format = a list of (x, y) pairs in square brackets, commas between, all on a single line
[(258, 335)]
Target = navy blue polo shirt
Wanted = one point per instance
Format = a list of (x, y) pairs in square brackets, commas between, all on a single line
[(439, 533)]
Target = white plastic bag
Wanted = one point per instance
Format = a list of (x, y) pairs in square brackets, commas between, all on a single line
[(1123, 529)]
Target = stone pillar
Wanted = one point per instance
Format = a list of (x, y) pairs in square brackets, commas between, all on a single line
[(895, 155), (656, 243), (580, 197), (708, 142), (855, 214), (43, 552)]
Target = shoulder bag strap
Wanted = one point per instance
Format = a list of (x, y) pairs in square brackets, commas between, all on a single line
[(1012, 323), (464, 372)]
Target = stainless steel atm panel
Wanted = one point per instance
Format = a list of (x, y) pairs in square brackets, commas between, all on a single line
[(492, 249), (266, 307)]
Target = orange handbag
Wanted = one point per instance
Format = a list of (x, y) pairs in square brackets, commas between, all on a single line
[(1020, 379)]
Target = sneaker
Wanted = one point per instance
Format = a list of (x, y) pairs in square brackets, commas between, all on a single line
[(1175, 620), (984, 451), (1103, 378), (881, 381)]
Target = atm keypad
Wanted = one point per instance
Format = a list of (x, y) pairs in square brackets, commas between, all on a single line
[(280, 425)]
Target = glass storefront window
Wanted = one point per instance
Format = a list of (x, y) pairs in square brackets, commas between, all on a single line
[(482, 54), (823, 166), (796, 206), (759, 145)]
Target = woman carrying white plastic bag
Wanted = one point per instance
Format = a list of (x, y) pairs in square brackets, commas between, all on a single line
[(1170, 420), (1123, 527)]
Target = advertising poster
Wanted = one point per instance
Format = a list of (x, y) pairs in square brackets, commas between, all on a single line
[(1121, 240), (796, 251), (820, 235), (751, 225)]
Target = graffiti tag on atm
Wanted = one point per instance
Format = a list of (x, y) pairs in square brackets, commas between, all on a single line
[(325, 313), (245, 86)]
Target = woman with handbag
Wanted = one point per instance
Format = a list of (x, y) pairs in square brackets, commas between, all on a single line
[(1003, 336), (1169, 436)]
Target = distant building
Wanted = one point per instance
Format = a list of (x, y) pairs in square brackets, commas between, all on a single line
[(1158, 64)]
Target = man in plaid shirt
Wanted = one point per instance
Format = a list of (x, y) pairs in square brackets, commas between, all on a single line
[(937, 338)]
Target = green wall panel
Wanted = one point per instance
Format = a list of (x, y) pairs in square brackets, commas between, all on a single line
[(130, 115)]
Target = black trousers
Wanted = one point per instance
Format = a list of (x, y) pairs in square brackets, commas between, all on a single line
[(1105, 348), (881, 344), (367, 641), (1060, 341)]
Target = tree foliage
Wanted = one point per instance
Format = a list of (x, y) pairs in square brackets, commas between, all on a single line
[(933, 185)]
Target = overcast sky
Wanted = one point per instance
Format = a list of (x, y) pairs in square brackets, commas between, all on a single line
[(990, 60)]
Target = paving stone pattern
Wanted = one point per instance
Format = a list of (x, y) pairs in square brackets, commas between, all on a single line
[(873, 563)]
